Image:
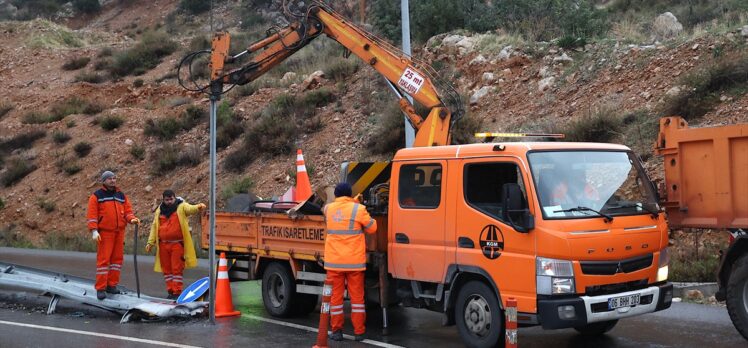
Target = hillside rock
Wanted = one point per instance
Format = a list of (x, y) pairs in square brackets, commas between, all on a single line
[(479, 60), (546, 83), (488, 78), (744, 31), (479, 94), (463, 44), (666, 26), (506, 53)]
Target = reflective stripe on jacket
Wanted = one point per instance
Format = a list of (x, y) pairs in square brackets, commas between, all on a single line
[(108, 210), (345, 243)]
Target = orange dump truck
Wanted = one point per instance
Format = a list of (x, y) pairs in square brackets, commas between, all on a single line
[(706, 186), (572, 231)]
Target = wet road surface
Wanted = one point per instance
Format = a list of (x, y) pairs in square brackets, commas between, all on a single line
[(23, 322)]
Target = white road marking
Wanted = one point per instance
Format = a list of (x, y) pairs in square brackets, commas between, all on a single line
[(88, 333), (314, 329)]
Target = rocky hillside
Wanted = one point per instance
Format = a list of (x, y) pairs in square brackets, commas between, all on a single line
[(63, 87)]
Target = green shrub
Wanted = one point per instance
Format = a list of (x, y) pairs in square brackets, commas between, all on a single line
[(165, 159), (57, 240), (70, 123), (105, 52), (76, 63), (389, 134), (704, 86), (138, 152), (60, 137), (144, 56), (30, 9), (82, 149), (73, 105), (5, 108), (103, 64), (338, 69), (46, 205), (194, 6), (193, 116), (2, 203), (71, 168), (16, 170), (599, 126), (111, 122), (11, 237), (237, 186), (87, 6), (228, 125), (162, 128), (138, 83), (272, 135), (21, 141), (246, 90), (190, 156), (36, 117), (318, 97)]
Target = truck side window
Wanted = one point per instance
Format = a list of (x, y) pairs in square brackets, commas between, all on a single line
[(483, 183), (420, 186)]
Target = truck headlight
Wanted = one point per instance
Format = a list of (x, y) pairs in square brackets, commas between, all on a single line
[(554, 276), (662, 270)]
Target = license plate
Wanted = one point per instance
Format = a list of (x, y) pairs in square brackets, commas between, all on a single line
[(623, 301)]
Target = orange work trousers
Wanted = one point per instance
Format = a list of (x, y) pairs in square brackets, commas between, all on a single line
[(171, 255), (354, 281), (109, 258)]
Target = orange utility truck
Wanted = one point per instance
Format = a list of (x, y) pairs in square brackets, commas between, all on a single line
[(706, 186), (572, 231)]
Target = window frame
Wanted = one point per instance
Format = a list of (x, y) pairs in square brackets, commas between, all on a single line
[(426, 179), (521, 181)]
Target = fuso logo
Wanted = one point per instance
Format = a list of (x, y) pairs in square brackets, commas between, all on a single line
[(491, 242)]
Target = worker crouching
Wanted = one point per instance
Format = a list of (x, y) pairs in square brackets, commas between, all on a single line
[(170, 233), (345, 258)]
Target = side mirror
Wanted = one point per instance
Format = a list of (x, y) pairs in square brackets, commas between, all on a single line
[(514, 208)]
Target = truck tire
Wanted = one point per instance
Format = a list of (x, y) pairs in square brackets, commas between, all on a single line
[(278, 290), (595, 329), (480, 320), (737, 295)]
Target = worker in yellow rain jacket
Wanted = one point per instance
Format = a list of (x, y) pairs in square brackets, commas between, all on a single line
[(345, 258), (170, 233)]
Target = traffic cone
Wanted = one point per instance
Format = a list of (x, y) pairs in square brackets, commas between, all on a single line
[(324, 315), (224, 304), (303, 187)]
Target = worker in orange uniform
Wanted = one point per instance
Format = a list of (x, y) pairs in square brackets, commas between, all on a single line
[(345, 258), (170, 233), (109, 211)]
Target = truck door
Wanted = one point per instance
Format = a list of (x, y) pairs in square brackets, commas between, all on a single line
[(483, 239), (417, 232)]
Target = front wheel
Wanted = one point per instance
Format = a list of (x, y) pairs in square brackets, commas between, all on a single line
[(599, 328), (737, 295), (480, 320)]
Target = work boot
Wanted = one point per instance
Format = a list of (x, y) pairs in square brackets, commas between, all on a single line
[(112, 290), (100, 294), (360, 337), (337, 335)]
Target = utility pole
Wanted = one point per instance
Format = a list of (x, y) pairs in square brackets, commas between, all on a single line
[(410, 133)]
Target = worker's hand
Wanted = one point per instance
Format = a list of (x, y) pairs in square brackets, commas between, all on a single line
[(148, 248), (201, 207), (135, 221), (96, 236), (359, 197)]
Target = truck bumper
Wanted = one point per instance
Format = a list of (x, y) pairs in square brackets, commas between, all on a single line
[(591, 309)]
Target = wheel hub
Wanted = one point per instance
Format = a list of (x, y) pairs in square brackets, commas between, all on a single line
[(478, 316), (276, 290)]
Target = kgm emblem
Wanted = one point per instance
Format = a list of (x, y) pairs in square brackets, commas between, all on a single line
[(491, 242)]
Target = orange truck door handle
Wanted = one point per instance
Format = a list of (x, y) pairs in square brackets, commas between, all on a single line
[(465, 242), (401, 238)]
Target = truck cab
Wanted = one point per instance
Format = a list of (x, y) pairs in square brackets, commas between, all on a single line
[(572, 231)]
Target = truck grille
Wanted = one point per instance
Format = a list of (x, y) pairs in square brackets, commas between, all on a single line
[(596, 290), (613, 267)]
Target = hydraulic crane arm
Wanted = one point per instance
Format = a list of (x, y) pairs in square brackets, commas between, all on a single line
[(407, 75)]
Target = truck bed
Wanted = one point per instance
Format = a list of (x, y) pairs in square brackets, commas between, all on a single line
[(706, 174)]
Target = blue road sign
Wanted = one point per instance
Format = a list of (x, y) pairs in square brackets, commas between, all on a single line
[(194, 291)]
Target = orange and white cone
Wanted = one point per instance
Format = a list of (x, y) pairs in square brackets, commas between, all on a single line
[(224, 304), (303, 186), (324, 315)]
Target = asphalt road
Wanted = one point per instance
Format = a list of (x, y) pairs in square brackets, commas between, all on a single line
[(23, 322)]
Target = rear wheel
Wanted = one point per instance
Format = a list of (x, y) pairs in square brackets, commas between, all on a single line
[(480, 320), (599, 328), (278, 290), (737, 295)]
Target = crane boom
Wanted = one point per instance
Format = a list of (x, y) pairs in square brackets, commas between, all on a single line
[(406, 74)]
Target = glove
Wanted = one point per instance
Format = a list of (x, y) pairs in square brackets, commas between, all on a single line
[(201, 206), (359, 197), (135, 221), (148, 248), (95, 235)]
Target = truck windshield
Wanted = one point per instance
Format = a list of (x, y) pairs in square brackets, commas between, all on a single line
[(576, 184)]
